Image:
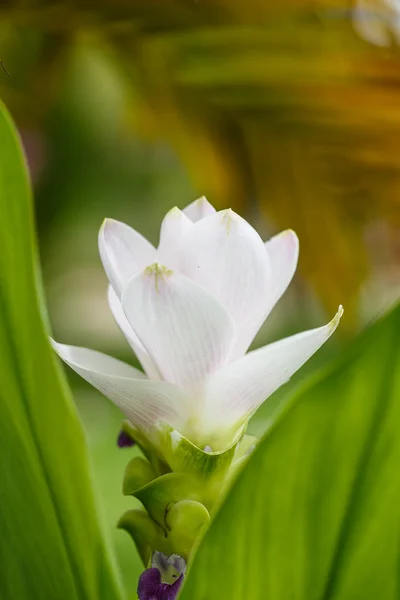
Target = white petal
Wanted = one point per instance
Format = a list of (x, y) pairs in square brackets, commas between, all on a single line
[(234, 393), (199, 209), (123, 252), (143, 402), (283, 252), (133, 340), (174, 227), (187, 333), (227, 257)]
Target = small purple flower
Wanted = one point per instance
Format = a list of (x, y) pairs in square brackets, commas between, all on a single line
[(164, 579), (124, 440)]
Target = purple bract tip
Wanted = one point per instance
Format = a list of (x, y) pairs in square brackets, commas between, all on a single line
[(151, 588), (164, 579), (124, 440)]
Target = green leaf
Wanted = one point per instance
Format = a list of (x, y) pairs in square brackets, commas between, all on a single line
[(315, 513), (52, 545)]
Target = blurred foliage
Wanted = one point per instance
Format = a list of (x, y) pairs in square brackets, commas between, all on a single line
[(278, 109)]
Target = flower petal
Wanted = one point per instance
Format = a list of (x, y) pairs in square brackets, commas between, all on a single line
[(151, 588), (168, 565), (123, 252), (199, 209), (149, 582), (227, 257), (283, 252), (144, 402), (236, 391), (187, 333), (174, 227), (96, 362), (116, 308)]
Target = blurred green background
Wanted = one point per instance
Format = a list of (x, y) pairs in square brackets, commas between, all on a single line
[(282, 112)]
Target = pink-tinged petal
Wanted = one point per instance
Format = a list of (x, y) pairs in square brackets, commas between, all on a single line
[(227, 257), (187, 333), (174, 228), (199, 209), (123, 252), (236, 391), (143, 356), (144, 402)]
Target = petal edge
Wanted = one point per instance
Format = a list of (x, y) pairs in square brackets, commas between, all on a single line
[(240, 388), (144, 402)]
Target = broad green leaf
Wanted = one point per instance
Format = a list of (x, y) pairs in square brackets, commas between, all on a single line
[(315, 513), (51, 543)]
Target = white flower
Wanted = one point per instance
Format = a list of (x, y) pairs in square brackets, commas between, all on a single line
[(190, 310)]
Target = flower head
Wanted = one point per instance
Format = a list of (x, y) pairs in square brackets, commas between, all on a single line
[(164, 579), (190, 309)]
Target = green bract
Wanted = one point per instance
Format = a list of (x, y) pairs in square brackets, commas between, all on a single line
[(179, 486)]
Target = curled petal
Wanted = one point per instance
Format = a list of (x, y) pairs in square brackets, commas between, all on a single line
[(199, 209), (236, 391), (133, 340), (187, 333), (144, 402), (123, 252)]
